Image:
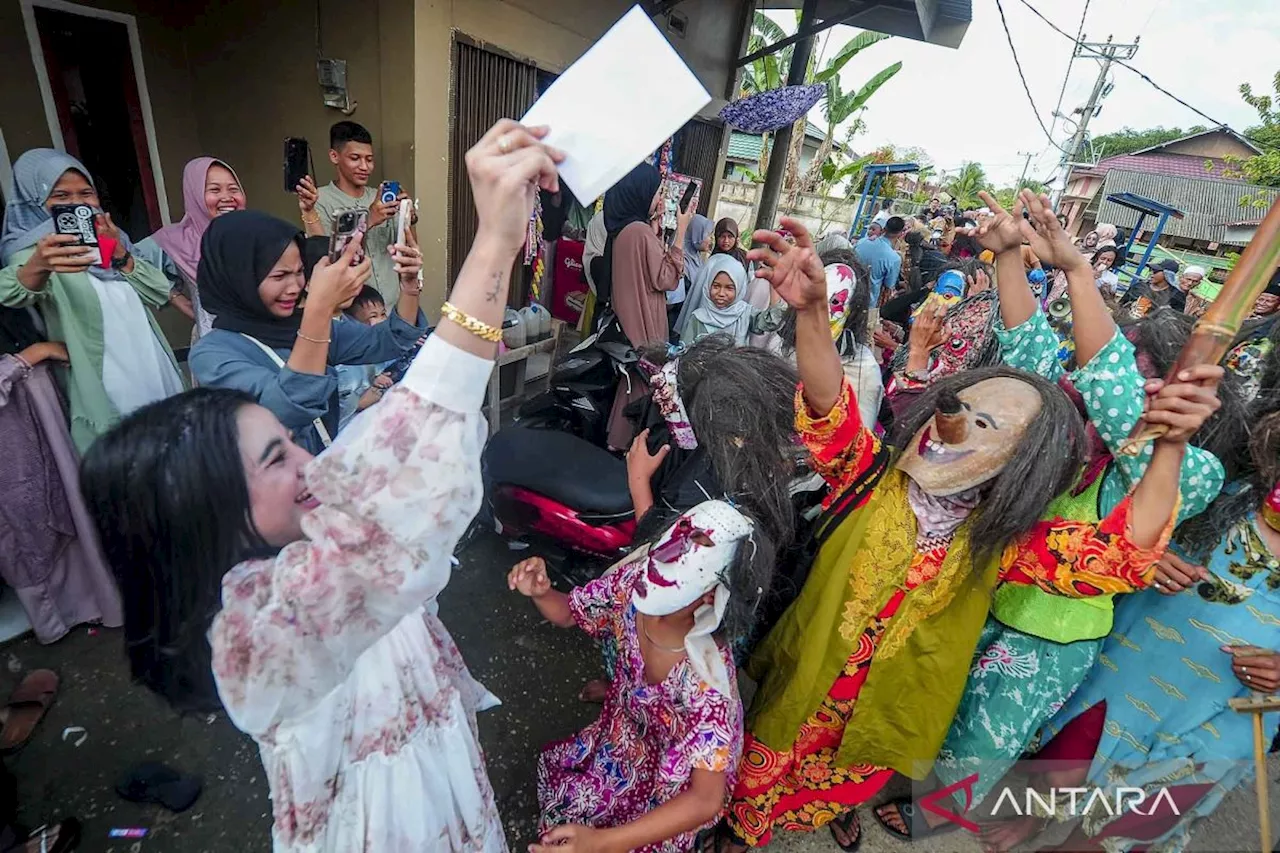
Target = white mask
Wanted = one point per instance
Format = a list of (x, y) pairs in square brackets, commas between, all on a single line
[(680, 568)]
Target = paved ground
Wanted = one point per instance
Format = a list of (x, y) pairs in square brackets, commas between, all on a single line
[(535, 669)]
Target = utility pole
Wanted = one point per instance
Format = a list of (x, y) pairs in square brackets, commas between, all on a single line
[(1104, 53), (1026, 163)]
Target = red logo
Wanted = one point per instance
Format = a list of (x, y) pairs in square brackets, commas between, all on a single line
[(929, 802)]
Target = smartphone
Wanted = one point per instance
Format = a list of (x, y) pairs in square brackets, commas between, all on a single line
[(297, 162), (77, 220), (346, 224), (388, 191), (690, 190), (404, 216)]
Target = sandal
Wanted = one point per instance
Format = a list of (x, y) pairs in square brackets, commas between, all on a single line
[(59, 838), (718, 839), (907, 815), (26, 708), (849, 824)]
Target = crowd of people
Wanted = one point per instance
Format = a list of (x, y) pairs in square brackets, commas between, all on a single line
[(991, 583)]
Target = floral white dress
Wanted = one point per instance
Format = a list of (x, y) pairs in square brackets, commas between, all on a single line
[(330, 655)]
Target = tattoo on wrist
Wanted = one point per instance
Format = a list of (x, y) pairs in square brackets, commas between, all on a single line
[(495, 290)]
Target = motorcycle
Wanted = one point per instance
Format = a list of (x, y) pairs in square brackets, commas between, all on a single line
[(583, 386)]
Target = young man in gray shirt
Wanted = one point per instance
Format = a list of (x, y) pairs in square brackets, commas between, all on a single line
[(351, 153)]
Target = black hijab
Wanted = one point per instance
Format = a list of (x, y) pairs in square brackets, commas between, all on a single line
[(626, 202), (237, 252), (730, 226)]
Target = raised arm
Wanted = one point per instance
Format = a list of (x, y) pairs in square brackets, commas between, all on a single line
[(1000, 233), (796, 274), (396, 490)]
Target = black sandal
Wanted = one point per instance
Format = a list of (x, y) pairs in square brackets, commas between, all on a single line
[(907, 814), (846, 823), (712, 840)]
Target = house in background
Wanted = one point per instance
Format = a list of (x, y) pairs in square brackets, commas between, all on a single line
[(742, 159), (1191, 174)]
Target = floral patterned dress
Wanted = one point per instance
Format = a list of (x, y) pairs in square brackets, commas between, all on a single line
[(649, 739), (330, 655), (804, 788)]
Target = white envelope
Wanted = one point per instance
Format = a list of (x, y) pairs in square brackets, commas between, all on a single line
[(618, 103)]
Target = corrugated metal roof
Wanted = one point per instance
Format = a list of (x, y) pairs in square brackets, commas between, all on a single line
[(1206, 202), (1186, 165), (1199, 133)]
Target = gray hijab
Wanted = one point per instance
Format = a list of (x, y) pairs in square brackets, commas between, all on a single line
[(699, 229), (25, 218)]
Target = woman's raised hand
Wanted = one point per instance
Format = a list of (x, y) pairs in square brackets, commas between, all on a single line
[(335, 283), (795, 272), (1042, 230), (507, 167)]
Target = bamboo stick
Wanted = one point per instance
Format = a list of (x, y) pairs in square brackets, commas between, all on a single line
[(1213, 332)]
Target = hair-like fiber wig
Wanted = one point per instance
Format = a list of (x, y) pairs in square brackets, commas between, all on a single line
[(1045, 463), (167, 491)]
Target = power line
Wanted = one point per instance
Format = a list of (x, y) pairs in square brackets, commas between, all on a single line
[(1070, 61), (1009, 36), (1141, 74)]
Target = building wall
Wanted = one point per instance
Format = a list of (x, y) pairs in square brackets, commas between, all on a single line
[(257, 84), (552, 34), (1212, 145)]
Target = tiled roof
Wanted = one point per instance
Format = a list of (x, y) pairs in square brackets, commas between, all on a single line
[(1206, 202), (1183, 165)]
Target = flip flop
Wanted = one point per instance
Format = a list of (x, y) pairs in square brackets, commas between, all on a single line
[(26, 708), (846, 822), (907, 814), (153, 782), (59, 838)]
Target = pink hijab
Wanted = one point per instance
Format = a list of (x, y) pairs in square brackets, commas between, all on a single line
[(181, 240)]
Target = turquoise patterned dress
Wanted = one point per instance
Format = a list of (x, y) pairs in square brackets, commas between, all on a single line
[(1018, 681), (1166, 682)]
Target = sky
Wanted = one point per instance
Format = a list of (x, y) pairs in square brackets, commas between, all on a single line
[(968, 103)]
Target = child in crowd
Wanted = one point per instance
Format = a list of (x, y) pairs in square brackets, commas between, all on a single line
[(660, 762), (719, 305), (362, 385)]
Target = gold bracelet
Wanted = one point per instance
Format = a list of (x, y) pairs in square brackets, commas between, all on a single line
[(313, 340), (314, 220), (480, 329)]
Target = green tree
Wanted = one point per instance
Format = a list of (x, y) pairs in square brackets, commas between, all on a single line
[(1263, 169), (1008, 195), (964, 187), (1127, 140)]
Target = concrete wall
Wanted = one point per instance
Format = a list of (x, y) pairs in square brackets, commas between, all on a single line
[(552, 34), (820, 214)]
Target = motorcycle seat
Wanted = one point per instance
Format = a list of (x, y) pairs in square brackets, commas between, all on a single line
[(565, 468)]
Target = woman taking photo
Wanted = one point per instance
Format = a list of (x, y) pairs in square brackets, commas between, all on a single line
[(306, 584), (210, 189), (252, 275), (643, 269), (119, 359)]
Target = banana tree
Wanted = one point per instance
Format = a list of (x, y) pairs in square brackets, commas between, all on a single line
[(838, 106)]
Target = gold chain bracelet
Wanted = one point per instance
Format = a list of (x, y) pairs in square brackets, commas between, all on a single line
[(476, 327)]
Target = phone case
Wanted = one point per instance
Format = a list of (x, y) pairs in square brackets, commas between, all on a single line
[(75, 219), (342, 232), (297, 162)]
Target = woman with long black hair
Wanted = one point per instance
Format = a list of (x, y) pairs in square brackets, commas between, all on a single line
[(299, 591)]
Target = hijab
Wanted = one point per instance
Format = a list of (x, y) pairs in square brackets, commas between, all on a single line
[(26, 220), (628, 201), (734, 319), (730, 226), (699, 229), (237, 252), (181, 241)]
